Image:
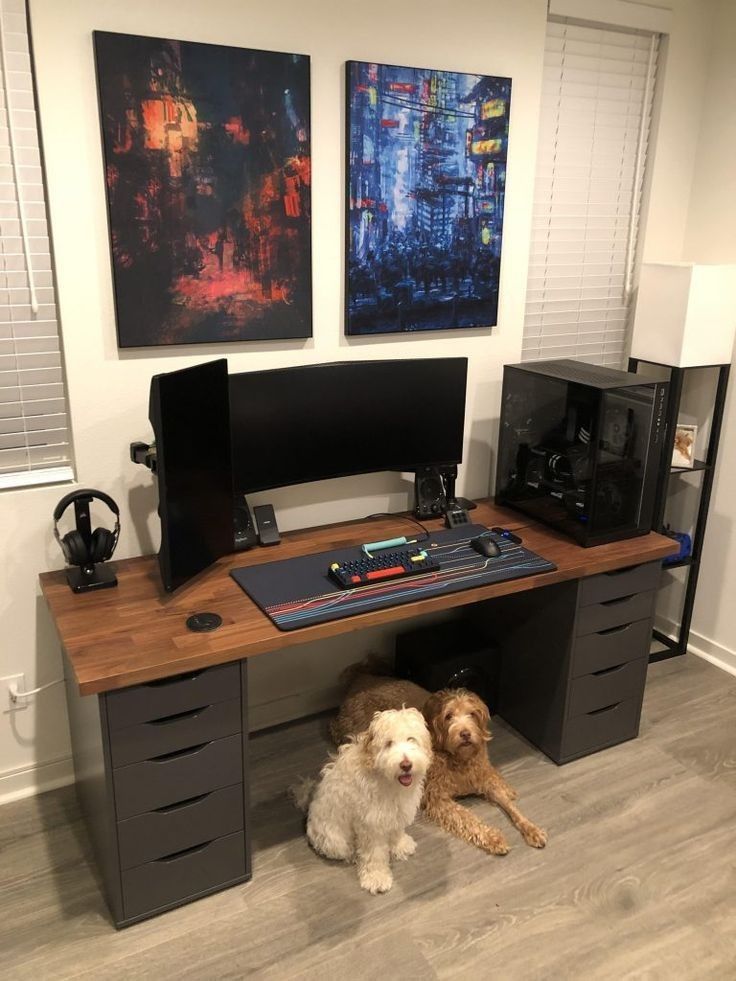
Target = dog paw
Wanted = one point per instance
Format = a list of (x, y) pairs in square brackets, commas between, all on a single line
[(495, 844), (405, 847), (375, 880), (534, 836)]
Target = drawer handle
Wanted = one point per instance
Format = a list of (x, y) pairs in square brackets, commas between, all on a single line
[(615, 602), (168, 719), (614, 630), (177, 754), (168, 808), (606, 708), (175, 856), (163, 682), (616, 667)]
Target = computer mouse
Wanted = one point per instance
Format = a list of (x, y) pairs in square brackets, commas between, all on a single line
[(485, 546)]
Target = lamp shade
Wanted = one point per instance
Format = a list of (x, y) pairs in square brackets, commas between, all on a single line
[(685, 314)]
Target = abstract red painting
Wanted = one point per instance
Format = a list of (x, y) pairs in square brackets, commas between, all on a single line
[(208, 176)]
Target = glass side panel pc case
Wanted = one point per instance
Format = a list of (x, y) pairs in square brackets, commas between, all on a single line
[(190, 414), (581, 448)]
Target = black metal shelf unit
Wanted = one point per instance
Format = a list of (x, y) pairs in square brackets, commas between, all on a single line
[(678, 645)]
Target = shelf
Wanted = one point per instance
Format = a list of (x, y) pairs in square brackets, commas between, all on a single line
[(697, 465), (671, 647)]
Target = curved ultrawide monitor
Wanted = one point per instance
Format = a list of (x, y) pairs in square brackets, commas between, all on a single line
[(313, 422)]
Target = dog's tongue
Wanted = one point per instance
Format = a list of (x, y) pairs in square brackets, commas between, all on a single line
[(405, 779)]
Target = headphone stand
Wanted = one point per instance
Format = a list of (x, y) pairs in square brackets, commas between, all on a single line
[(84, 578)]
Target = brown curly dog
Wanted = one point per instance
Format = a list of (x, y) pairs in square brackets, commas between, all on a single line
[(458, 721)]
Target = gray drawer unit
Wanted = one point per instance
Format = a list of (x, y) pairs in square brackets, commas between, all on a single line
[(182, 693), (574, 658), (591, 692), (177, 776), (604, 727), (613, 613), (180, 826), (620, 582), (607, 648), (174, 732), (161, 774), (184, 875)]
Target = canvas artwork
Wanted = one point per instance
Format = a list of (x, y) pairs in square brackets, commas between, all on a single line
[(207, 167), (426, 176)]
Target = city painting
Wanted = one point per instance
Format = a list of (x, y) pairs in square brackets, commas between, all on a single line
[(426, 175), (208, 176)]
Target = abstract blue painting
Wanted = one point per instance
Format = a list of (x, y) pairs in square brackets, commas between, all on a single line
[(426, 177)]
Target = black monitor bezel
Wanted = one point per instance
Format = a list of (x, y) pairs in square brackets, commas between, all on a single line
[(406, 466)]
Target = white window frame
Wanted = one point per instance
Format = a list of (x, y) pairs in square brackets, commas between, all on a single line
[(35, 434)]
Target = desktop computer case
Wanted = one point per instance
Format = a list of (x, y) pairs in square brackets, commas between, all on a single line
[(581, 448)]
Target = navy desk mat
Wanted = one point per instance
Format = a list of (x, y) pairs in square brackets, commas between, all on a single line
[(298, 592)]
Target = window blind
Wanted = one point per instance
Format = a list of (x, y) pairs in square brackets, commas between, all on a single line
[(34, 426), (595, 116)]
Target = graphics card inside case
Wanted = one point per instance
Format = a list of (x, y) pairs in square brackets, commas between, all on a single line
[(580, 447)]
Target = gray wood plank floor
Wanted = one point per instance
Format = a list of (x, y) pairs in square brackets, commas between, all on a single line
[(638, 879)]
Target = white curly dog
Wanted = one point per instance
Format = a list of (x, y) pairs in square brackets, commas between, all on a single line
[(369, 794)]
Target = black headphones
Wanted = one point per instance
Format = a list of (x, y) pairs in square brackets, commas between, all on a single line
[(83, 546)]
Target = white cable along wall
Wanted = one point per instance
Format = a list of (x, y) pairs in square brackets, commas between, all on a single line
[(594, 130), (34, 427)]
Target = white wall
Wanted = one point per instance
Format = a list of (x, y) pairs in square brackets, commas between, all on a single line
[(108, 389), (711, 237)]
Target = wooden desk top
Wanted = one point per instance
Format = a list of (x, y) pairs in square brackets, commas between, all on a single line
[(136, 632)]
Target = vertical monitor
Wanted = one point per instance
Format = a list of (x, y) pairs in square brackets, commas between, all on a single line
[(190, 415), (313, 422)]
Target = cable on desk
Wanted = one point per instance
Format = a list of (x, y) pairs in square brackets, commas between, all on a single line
[(401, 517)]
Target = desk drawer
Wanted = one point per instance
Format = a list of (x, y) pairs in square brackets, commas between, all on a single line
[(174, 732), (170, 696), (595, 691), (180, 826), (178, 776), (607, 648), (604, 727), (613, 613), (620, 582), (182, 875)]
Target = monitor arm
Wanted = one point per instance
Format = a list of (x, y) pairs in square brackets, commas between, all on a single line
[(144, 454)]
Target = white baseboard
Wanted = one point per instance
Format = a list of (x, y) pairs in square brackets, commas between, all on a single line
[(710, 650), (27, 781)]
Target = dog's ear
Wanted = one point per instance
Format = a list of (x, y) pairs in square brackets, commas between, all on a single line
[(433, 716), (485, 717), (365, 741)]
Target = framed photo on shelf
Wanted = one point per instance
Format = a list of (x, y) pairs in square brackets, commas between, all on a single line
[(208, 175), (426, 179), (683, 451)]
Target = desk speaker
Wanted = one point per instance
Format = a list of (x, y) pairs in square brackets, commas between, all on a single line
[(429, 493)]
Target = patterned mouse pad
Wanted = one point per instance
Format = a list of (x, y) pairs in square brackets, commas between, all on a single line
[(298, 592)]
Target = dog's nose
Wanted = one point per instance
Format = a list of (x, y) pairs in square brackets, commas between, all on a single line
[(405, 765), (465, 734)]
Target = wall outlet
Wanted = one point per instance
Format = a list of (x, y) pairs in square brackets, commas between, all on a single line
[(19, 681)]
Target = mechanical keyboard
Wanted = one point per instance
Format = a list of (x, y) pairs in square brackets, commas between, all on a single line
[(383, 567)]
